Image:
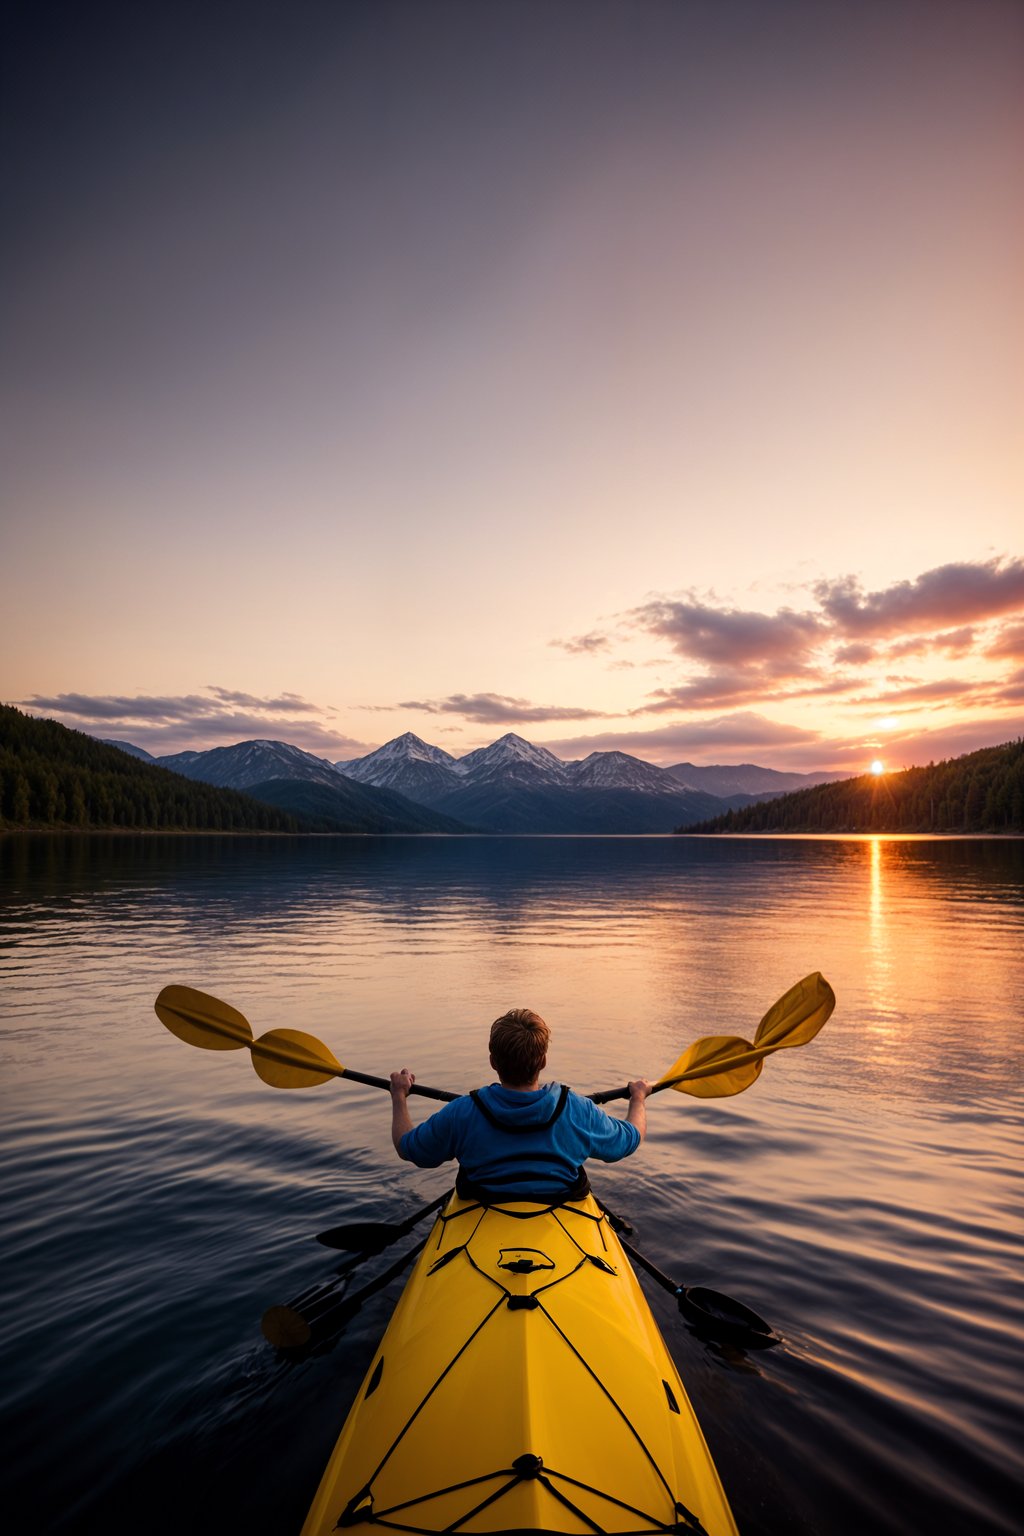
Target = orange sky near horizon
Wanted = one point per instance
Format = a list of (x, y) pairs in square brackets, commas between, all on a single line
[(623, 375)]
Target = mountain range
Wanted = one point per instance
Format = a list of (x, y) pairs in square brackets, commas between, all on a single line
[(511, 786)]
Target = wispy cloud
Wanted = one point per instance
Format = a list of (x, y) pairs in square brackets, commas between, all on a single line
[(499, 709), (584, 645), (955, 642), (731, 636), (725, 690), (718, 739), (285, 702), (944, 690), (145, 708), (1008, 642), (1013, 689), (165, 723), (738, 658), (963, 593), (857, 654), (747, 736)]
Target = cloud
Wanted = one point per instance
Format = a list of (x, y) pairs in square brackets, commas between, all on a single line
[(499, 709), (284, 702), (751, 658), (1013, 691), (1008, 642), (963, 593), (944, 690), (747, 736), (718, 690), (955, 642), (584, 645), (732, 636), (738, 733), (744, 658), (917, 747), (143, 707), (164, 708), (164, 724), (855, 655)]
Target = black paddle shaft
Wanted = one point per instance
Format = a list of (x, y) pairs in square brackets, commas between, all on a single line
[(652, 1269), (383, 1082)]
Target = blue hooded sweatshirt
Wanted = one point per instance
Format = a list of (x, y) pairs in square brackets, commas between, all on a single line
[(515, 1143)]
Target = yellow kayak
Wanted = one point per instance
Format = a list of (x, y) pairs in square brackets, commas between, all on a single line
[(522, 1386)]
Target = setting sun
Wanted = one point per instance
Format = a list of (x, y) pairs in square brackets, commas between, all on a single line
[(877, 766)]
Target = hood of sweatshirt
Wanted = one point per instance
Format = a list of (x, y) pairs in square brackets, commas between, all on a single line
[(512, 1107)]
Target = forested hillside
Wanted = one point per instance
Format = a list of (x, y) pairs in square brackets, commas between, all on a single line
[(352, 807), (981, 792), (54, 777)]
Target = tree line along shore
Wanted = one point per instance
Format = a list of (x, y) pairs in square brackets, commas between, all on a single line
[(55, 778), (981, 792)]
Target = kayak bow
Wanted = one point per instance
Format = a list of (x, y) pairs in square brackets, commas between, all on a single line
[(522, 1386)]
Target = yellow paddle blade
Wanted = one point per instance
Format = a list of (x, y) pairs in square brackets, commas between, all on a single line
[(288, 1058), (716, 1067), (720, 1065), (199, 1019), (798, 1015)]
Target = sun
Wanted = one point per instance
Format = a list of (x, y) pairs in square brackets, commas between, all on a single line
[(877, 766)]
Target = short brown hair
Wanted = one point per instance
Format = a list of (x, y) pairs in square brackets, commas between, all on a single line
[(519, 1045)]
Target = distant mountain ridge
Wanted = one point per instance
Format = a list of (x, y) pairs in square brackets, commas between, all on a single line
[(251, 762), (407, 763), (511, 786), (746, 779)]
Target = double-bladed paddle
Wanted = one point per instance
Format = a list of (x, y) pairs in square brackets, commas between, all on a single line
[(284, 1058), (717, 1066), (714, 1067)]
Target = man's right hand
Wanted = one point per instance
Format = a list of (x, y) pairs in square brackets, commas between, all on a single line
[(401, 1083)]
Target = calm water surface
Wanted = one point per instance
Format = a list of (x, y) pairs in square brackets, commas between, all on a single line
[(864, 1195)]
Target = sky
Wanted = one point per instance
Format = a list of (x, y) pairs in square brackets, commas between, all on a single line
[(629, 374)]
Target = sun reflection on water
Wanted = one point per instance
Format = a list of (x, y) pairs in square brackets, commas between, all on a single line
[(879, 975)]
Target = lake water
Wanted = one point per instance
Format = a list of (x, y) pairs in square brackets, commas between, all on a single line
[(864, 1195)]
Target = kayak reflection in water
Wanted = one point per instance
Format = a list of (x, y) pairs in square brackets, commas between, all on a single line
[(515, 1139)]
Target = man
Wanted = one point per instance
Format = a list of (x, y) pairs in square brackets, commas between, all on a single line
[(515, 1139)]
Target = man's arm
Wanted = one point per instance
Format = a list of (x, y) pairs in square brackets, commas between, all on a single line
[(637, 1112), (401, 1120)]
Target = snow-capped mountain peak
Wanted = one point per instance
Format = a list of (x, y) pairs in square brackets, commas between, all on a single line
[(252, 762), (407, 748), (407, 764), (618, 770), (512, 757)]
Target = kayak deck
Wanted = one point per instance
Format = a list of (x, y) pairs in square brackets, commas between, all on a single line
[(522, 1386)]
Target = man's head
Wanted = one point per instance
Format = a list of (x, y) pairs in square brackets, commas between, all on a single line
[(519, 1046)]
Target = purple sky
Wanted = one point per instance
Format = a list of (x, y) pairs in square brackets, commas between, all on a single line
[(642, 375)]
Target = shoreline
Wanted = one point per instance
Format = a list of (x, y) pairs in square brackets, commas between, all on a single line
[(839, 837)]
